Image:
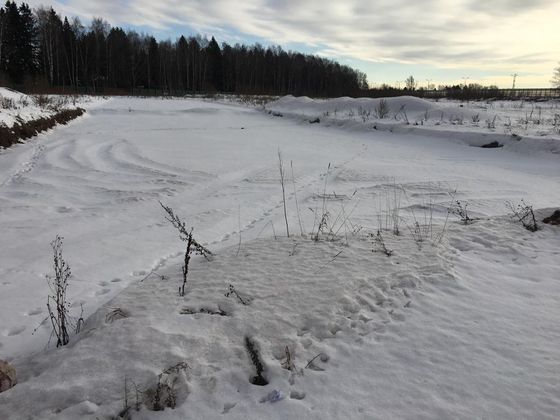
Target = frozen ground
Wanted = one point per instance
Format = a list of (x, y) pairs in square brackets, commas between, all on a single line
[(462, 327)]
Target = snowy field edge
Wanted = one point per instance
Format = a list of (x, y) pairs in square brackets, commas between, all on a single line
[(462, 323)]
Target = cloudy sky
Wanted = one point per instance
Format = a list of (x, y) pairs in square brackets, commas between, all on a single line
[(437, 41)]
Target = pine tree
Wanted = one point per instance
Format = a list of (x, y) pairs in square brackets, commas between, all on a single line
[(215, 70), (3, 25), (46, 46), (27, 41), (10, 59)]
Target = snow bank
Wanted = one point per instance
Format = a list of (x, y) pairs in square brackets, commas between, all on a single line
[(19, 107), (521, 127)]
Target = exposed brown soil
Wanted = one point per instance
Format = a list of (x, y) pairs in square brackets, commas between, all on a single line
[(22, 130)]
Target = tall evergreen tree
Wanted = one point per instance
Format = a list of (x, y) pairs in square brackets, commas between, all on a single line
[(60, 51), (215, 70), (27, 41)]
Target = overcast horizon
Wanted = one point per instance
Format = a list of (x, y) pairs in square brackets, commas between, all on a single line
[(438, 41)]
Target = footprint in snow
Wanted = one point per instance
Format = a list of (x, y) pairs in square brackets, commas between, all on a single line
[(16, 331), (102, 292), (34, 312), (227, 407), (139, 273)]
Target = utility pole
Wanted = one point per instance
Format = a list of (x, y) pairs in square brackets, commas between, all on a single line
[(465, 78), (429, 82), (514, 75)]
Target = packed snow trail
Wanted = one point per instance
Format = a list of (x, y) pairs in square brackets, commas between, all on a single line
[(97, 182)]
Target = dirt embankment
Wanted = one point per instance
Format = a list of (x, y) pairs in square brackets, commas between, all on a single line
[(22, 130)]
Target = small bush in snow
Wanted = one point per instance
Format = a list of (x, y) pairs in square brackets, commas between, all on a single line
[(382, 109), (459, 208), (42, 101), (523, 213), (402, 112), (57, 304), (192, 245), (7, 103), (125, 413), (491, 124), (171, 386), (556, 123), (379, 244)]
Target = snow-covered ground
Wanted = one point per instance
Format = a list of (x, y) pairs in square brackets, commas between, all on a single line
[(518, 125), (19, 107), (462, 325)]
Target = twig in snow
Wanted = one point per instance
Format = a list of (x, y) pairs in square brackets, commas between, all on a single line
[(379, 242), (161, 276), (233, 292), (334, 258), (239, 224), (323, 357), (295, 197)]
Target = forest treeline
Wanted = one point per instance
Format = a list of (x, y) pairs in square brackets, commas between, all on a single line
[(41, 50)]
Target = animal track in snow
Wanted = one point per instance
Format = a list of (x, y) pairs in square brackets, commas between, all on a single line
[(16, 331)]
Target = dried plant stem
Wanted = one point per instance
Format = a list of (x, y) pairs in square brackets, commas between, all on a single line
[(281, 168), (295, 197)]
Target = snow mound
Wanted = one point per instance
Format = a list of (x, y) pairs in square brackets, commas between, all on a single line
[(518, 126), (357, 107), (16, 106), (19, 107)]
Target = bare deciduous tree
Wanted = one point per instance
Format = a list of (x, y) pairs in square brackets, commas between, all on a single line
[(556, 77), (410, 83)]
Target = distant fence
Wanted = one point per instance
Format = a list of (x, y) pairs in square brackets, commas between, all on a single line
[(471, 94), (512, 94), (450, 93)]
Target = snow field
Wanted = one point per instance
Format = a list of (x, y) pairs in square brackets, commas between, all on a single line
[(461, 327)]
